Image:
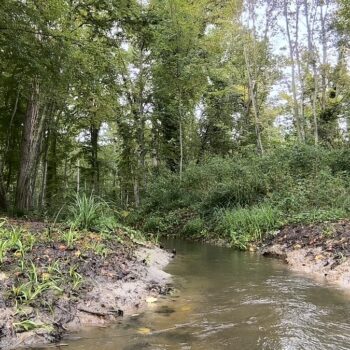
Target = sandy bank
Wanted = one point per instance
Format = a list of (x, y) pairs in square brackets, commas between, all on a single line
[(111, 286), (320, 250)]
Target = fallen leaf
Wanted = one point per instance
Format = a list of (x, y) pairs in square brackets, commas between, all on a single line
[(144, 331), (319, 257), (186, 308)]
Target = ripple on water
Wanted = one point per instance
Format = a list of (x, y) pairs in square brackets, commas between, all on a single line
[(230, 300)]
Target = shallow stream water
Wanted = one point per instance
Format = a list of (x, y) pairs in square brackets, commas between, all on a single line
[(230, 300)]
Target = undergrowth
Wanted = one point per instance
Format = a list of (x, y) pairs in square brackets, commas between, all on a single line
[(245, 199)]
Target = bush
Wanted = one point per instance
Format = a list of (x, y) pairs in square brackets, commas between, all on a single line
[(193, 227), (246, 197)]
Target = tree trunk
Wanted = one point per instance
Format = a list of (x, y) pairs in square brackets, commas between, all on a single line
[(94, 133), (42, 201), (181, 143), (136, 192), (52, 186), (294, 87), (3, 199), (252, 95), (301, 113), (312, 60), (31, 141), (323, 17)]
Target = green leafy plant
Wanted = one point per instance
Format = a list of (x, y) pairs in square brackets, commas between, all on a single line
[(85, 211), (101, 249), (243, 225), (70, 237), (76, 278), (27, 325)]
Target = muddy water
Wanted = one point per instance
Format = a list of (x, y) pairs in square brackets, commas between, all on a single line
[(231, 300)]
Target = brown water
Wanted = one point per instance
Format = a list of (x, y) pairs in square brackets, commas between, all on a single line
[(231, 300)]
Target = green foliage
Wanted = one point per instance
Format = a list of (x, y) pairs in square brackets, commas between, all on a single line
[(160, 223), (76, 278), (28, 325), (27, 292), (85, 212), (243, 198), (70, 237), (318, 216), (244, 225), (194, 227)]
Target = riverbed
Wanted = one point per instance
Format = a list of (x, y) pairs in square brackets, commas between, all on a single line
[(225, 299)]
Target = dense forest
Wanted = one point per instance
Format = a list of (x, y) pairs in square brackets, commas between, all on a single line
[(196, 117)]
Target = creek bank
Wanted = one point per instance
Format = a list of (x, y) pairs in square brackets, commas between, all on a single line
[(61, 288), (321, 250)]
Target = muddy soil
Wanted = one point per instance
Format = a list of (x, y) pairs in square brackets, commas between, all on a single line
[(92, 282), (321, 250)]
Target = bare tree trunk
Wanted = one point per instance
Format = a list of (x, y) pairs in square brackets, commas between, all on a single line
[(78, 176), (32, 134), (312, 59), (52, 186), (252, 94), (42, 201), (181, 144), (294, 87), (301, 114), (323, 18), (95, 168), (136, 192)]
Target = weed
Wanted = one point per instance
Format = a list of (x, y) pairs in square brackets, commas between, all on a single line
[(76, 278), (35, 286), (86, 211), (27, 325), (70, 237), (3, 250), (101, 249), (194, 227), (244, 225)]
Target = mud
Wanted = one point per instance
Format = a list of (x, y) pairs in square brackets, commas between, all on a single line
[(320, 250), (111, 285)]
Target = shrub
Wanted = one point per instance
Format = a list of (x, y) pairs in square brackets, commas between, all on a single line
[(193, 227), (246, 197), (154, 224)]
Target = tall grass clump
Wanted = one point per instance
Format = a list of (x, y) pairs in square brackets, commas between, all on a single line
[(86, 212), (244, 225)]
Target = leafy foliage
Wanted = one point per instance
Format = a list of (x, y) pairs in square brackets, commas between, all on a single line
[(243, 199)]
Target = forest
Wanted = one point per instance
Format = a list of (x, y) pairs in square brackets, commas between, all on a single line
[(126, 125), (206, 117)]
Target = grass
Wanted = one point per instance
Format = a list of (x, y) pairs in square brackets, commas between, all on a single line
[(35, 284), (244, 225), (28, 325), (70, 237), (85, 212)]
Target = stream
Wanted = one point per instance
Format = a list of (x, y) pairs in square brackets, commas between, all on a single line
[(226, 299)]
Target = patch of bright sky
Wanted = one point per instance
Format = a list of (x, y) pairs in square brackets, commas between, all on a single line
[(277, 36)]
